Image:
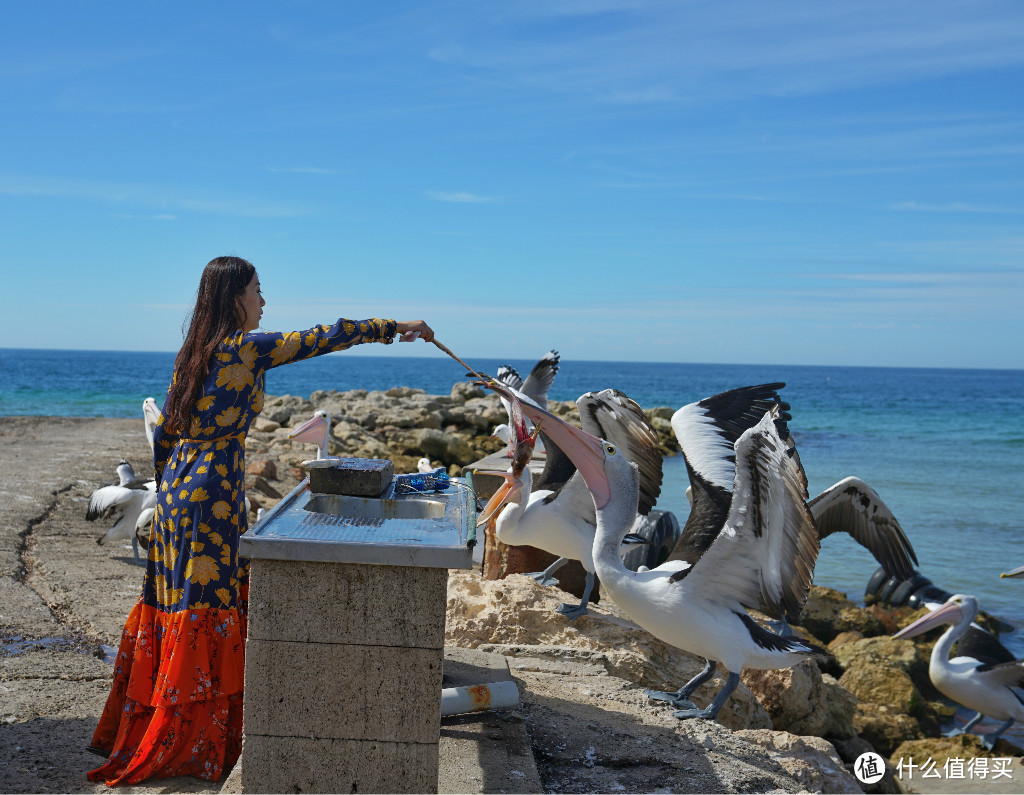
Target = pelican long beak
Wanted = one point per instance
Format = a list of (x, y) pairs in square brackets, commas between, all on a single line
[(312, 430), (949, 613), (583, 449), (507, 492), (1015, 573)]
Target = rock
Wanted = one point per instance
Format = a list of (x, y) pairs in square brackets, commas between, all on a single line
[(843, 638), (883, 728), (264, 424), (903, 653), (281, 408), (516, 617), (802, 700), (880, 680), (264, 469), (828, 612), (939, 749), (812, 761), (260, 484), (464, 390), (404, 392)]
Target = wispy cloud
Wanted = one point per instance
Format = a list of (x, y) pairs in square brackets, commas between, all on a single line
[(953, 207), (301, 170), (124, 193), (460, 197)]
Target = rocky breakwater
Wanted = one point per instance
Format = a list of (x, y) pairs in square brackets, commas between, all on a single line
[(402, 423)]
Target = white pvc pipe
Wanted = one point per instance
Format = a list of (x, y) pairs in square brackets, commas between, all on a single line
[(493, 695)]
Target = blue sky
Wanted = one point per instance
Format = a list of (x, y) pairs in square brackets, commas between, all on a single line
[(745, 182)]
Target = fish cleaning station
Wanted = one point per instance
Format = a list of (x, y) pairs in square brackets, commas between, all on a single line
[(348, 589)]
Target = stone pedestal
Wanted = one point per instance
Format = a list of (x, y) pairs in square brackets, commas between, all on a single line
[(343, 677)]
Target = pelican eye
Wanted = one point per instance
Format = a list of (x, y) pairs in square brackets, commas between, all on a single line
[(609, 449)]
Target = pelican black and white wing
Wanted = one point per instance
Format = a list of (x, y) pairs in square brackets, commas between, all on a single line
[(764, 555), (853, 507), (707, 432), (1008, 674), (539, 381), (611, 415)]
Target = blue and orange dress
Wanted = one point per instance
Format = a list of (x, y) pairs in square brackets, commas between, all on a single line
[(175, 706)]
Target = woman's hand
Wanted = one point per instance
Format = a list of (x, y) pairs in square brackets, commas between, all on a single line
[(409, 330)]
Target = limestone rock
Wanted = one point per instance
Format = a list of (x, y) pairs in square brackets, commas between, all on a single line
[(880, 680), (802, 700), (281, 408), (265, 469), (464, 390), (828, 612), (939, 749), (903, 653), (812, 761), (884, 728)]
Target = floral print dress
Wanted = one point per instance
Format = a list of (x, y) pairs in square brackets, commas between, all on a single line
[(175, 706)]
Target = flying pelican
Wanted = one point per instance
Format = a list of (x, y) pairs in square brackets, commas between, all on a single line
[(987, 688), (767, 535), (560, 519), (316, 430), (707, 432), (132, 497)]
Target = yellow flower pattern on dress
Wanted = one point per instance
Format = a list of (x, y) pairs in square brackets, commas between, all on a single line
[(186, 636)]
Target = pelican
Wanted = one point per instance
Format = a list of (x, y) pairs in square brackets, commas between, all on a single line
[(560, 519), (534, 390), (1018, 572), (316, 430), (987, 688), (423, 465), (707, 432), (766, 534), (151, 416), (132, 497)]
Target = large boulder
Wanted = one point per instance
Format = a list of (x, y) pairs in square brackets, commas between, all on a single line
[(828, 613), (880, 680), (884, 728), (812, 761), (802, 700)]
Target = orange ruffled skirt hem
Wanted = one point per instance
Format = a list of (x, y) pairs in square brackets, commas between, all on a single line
[(175, 706)]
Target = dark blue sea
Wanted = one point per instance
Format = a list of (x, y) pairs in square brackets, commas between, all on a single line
[(944, 448)]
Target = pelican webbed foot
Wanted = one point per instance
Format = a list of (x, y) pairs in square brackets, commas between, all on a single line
[(546, 577), (681, 698), (989, 740), (572, 612), (710, 712)]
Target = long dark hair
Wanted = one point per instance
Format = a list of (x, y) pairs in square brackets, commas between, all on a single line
[(214, 317)]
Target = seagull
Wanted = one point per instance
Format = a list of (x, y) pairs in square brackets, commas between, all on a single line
[(766, 535), (132, 497), (317, 430), (534, 390), (707, 432), (560, 518), (989, 688)]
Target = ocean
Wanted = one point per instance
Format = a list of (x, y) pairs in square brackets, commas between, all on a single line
[(944, 448)]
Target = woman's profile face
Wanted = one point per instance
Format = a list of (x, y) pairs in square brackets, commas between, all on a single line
[(249, 305)]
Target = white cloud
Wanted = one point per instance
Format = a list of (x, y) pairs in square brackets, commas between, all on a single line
[(460, 197)]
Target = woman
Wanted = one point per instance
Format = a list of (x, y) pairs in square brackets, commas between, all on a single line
[(175, 707)]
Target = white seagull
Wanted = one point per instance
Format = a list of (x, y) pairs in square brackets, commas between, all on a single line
[(559, 517), (707, 432), (316, 430), (990, 689), (131, 497), (700, 605)]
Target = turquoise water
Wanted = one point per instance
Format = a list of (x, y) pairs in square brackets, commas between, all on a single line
[(944, 448)]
